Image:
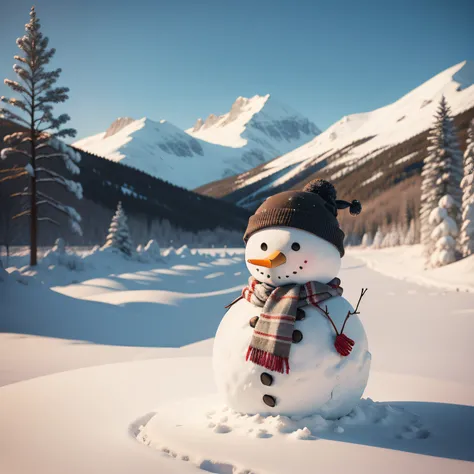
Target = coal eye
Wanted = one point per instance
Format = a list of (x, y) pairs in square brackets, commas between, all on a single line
[(295, 246), (264, 246)]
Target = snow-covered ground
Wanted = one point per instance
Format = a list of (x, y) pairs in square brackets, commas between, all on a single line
[(407, 263), (87, 357)]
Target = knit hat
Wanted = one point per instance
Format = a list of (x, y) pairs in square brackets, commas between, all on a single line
[(314, 209)]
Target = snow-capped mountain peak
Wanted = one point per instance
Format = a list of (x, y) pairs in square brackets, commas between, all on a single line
[(241, 110), (260, 119), (253, 132), (465, 75), (117, 125)]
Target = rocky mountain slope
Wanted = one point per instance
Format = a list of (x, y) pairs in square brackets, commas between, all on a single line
[(255, 131), (366, 155)]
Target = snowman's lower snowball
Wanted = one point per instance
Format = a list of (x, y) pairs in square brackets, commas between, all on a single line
[(320, 381)]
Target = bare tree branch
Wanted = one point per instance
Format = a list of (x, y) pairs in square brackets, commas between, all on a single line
[(16, 176), (21, 214)]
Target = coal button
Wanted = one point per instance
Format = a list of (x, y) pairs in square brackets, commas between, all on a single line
[(297, 336), (253, 321), (300, 314), (269, 400), (266, 379)]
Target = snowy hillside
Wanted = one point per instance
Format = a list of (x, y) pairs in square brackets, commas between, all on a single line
[(357, 139), (254, 131)]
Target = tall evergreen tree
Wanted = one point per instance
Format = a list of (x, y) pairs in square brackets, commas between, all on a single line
[(466, 239), (119, 235), (441, 174), (38, 141)]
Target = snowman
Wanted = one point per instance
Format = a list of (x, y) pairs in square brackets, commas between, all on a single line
[(291, 344)]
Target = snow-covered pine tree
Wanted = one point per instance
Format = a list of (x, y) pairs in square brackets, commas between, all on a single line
[(410, 237), (367, 240), (378, 240), (444, 233), (38, 141), (466, 238), (386, 241), (152, 250), (392, 238), (441, 174), (396, 236), (119, 235)]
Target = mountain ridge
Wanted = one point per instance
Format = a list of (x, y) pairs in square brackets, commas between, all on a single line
[(364, 155), (254, 131)]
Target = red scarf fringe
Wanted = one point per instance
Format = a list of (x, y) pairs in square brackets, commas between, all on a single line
[(267, 360)]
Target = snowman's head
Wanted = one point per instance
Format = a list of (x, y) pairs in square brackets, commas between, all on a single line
[(284, 255)]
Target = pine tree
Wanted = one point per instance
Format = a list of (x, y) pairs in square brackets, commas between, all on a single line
[(119, 235), (367, 240), (152, 250), (444, 233), (466, 239), (410, 237), (378, 240), (38, 141), (441, 174)]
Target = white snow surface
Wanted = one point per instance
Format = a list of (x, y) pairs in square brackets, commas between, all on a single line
[(256, 130), (408, 263), (410, 115), (209, 417), (88, 357)]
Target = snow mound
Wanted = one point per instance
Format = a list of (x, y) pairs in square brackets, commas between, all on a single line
[(150, 253), (179, 428), (169, 253), (395, 422), (183, 252), (59, 255)]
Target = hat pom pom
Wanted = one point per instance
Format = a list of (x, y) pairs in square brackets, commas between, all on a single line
[(355, 208), (322, 188)]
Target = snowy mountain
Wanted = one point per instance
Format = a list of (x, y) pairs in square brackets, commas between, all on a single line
[(255, 131), (362, 153), (257, 123)]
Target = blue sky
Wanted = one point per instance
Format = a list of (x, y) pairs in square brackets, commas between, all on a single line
[(183, 59)]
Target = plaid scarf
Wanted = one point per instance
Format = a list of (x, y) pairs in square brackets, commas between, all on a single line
[(272, 337)]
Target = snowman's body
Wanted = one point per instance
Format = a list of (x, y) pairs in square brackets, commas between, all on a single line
[(320, 379)]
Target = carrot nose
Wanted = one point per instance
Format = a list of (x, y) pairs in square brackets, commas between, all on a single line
[(274, 260)]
